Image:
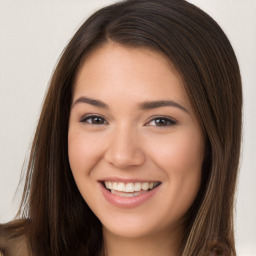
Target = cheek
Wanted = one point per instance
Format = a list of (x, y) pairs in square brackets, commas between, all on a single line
[(83, 151), (181, 152), (180, 157)]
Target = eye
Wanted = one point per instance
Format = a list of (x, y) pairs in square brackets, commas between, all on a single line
[(161, 121), (93, 119)]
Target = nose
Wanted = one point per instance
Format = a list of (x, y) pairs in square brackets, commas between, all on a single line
[(125, 149)]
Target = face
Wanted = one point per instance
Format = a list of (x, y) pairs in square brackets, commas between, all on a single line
[(135, 146)]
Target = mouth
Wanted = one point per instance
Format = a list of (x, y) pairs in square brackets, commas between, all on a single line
[(130, 189)]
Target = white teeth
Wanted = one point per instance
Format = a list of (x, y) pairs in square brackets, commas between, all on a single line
[(109, 185), (125, 194), (121, 187), (114, 185), (130, 187), (137, 186), (145, 186)]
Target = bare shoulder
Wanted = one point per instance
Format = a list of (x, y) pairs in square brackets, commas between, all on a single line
[(13, 240)]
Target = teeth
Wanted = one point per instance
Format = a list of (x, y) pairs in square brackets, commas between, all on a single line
[(125, 194), (114, 185), (120, 186), (145, 186), (130, 187), (137, 186)]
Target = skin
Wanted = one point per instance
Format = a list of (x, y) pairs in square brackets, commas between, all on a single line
[(127, 142)]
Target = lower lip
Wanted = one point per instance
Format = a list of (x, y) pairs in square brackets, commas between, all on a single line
[(127, 202)]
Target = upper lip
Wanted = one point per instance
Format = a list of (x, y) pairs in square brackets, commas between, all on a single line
[(126, 180)]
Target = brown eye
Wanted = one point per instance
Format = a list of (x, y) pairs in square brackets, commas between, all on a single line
[(95, 120), (162, 121)]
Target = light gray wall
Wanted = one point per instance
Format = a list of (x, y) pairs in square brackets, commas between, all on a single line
[(32, 36)]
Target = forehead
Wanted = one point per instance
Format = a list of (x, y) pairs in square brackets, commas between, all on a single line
[(113, 65)]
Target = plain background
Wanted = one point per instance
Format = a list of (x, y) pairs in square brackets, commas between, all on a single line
[(33, 35)]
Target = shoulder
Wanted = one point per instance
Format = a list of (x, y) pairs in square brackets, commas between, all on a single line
[(13, 240)]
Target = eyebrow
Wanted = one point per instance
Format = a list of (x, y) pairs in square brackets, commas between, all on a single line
[(143, 105), (162, 103), (90, 101)]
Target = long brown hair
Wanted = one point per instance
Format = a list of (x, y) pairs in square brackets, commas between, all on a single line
[(58, 220)]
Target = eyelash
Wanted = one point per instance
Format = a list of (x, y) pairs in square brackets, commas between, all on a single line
[(162, 120), (85, 119), (166, 121)]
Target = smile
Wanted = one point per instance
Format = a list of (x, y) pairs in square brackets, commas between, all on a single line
[(130, 189), (128, 194)]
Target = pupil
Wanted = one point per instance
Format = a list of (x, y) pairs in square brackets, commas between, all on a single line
[(97, 120), (160, 122)]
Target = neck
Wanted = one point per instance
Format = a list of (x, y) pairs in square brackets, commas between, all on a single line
[(160, 244)]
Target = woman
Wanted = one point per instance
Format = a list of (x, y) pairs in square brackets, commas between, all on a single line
[(137, 147)]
